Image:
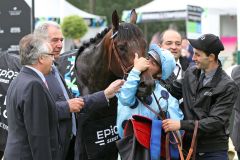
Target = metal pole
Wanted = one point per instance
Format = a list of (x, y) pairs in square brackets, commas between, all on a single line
[(146, 30), (33, 16), (92, 6), (238, 32)]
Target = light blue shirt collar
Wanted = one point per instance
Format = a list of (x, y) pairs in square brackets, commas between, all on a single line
[(38, 72)]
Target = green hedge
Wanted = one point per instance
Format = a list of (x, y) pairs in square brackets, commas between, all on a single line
[(74, 27)]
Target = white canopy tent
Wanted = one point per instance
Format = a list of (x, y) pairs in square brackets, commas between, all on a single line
[(59, 8), (225, 6), (158, 10), (56, 10)]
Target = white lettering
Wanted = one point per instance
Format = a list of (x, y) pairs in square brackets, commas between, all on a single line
[(4, 126), (10, 74), (107, 135), (5, 101), (100, 133), (107, 132), (5, 113)]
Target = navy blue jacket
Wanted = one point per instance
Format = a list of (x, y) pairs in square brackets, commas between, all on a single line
[(64, 115), (32, 119)]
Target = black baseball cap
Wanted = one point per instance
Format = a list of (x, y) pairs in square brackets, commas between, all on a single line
[(209, 43)]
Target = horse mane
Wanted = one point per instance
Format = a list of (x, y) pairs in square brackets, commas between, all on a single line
[(132, 32), (92, 41)]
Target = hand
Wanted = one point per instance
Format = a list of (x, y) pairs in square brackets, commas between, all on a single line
[(113, 88), (141, 64), (171, 125), (75, 104)]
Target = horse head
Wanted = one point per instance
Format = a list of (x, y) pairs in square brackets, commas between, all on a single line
[(111, 57)]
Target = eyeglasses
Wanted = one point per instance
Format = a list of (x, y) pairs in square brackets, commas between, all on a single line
[(50, 55)]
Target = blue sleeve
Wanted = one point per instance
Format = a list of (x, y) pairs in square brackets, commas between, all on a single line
[(128, 91), (96, 99)]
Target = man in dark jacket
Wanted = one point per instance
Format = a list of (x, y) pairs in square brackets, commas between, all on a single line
[(32, 118), (66, 105), (209, 95)]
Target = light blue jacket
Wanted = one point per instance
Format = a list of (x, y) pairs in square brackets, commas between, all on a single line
[(128, 104)]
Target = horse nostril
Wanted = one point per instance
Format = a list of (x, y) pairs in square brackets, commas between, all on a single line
[(142, 84)]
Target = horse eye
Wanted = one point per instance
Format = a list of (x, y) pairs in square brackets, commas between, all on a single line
[(122, 48)]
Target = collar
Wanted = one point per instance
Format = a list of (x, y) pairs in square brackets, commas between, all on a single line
[(55, 63), (37, 71), (216, 76), (178, 63), (210, 74)]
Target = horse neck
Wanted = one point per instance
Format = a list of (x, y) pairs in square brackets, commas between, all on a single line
[(94, 72), (103, 76)]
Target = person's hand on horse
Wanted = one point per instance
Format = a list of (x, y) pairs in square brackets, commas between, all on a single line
[(75, 104), (141, 64), (113, 88), (171, 125)]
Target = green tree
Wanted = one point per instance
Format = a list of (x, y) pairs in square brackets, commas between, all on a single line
[(74, 27)]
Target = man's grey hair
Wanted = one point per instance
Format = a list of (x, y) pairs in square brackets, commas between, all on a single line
[(42, 28), (31, 48)]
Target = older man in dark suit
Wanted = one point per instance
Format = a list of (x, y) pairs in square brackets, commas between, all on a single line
[(32, 114)]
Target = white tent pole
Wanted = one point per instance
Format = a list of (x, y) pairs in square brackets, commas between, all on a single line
[(238, 32), (61, 10), (61, 19)]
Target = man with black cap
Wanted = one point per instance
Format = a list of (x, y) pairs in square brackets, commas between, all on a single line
[(209, 95)]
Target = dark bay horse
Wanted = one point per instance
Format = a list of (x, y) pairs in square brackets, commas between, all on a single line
[(111, 58), (107, 57)]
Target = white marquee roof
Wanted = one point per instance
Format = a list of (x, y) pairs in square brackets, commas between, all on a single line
[(226, 6), (58, 9)]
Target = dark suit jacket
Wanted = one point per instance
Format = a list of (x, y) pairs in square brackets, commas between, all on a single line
[(32, 119), (236, 124), (64, 115)]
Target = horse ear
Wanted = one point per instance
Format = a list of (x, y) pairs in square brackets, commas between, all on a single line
[(115, 21), (133, 17)]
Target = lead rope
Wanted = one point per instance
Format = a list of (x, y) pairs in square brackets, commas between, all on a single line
[(192, 150), (167, 136)]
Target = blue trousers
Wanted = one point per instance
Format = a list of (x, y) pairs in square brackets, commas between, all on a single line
[(218, 155)]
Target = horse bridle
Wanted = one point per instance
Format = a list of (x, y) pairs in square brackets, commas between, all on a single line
[(125, 69)]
